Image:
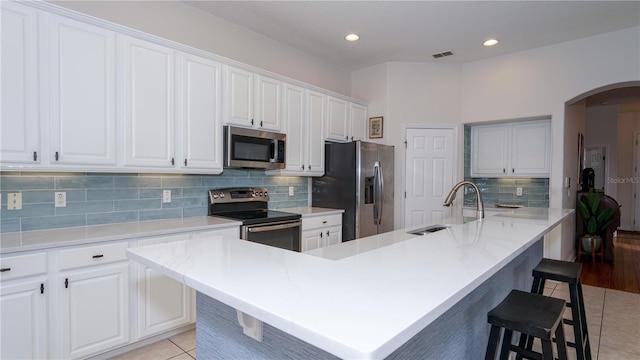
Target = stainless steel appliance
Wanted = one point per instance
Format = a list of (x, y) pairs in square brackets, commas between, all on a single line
[(259, 224), (251, 148), (359, 179)]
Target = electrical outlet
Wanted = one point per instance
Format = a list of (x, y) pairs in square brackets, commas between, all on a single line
[(14, 201), (290, 190), (518, 191), (61, 199), (166, 196)]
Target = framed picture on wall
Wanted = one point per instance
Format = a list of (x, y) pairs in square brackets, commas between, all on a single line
[(375, 127)]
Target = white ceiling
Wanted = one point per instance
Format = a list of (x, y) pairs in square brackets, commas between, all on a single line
[(415, 30)]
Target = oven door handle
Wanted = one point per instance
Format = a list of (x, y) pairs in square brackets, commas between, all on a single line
[(258, 229)]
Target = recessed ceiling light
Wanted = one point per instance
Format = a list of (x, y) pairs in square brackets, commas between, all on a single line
[(352, 37), (490, 42)]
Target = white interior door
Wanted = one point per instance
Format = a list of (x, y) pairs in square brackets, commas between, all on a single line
[(429, 174)]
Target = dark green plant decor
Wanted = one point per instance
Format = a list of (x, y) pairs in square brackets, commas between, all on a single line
[(594, 220)]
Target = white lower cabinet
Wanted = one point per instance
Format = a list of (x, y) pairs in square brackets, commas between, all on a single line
[(163, 303), (94, 299), (89, 299), (321, 231), (23, 303)]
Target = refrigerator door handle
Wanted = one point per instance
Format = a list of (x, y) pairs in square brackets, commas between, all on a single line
[(378, 190)]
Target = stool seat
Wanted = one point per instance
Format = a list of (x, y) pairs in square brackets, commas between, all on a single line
[(558, 270), (532, 315), (528, 313)]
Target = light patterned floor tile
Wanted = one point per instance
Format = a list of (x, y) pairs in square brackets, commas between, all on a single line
[(183, 356), (619, 339), (608, 353), (186, 341), (192, 353), (160, 350)]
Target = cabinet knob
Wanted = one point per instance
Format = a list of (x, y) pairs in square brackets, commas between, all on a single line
[(302, 166), (185, 162), (321, 234), (5, 269), (57, 156), (352, 138), (324, 222), (513, 170), (260, 123), (97, 256), (173, 162), (308, 167), (251, 121), (346, 137), (504, 170), (327, 232), (35, 156)]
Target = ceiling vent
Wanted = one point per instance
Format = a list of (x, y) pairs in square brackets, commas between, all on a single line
[(443, 54)]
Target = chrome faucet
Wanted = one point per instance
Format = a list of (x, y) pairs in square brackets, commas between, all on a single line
[(479, 203)]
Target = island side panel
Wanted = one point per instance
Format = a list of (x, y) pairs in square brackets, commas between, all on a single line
[(219, 336), (462, 332)]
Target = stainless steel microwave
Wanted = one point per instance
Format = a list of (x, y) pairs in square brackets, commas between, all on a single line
[(250, 148)]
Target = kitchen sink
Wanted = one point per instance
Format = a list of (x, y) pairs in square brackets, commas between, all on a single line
[(429, 229)]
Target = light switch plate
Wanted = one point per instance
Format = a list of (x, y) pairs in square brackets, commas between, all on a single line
[(519, 191), (290, 190), (166, 196)]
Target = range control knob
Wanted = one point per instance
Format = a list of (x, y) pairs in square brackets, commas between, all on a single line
[(266, 194), (221, 195), (215, 196)]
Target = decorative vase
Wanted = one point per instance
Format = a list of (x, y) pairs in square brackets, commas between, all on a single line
[(588, 240)]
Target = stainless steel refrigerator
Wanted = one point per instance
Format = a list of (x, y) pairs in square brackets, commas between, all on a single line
[(359, 179)]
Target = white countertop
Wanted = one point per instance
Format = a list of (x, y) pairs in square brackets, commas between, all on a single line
[(309, 211), (50, 238), (360, 299)]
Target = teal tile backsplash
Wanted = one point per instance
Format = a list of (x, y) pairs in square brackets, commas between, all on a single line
[(535, 192), (99, 198)]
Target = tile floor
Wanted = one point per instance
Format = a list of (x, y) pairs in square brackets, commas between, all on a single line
[(613, 321)]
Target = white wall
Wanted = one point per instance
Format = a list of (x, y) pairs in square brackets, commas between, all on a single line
[(628, 124), (177, 21)]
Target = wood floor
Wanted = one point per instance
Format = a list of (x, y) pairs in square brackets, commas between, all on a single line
[(624, 273)]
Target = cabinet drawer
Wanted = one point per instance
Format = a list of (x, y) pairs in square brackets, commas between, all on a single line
[(23, 265), (321, 221), (93, 255), (163, 239)]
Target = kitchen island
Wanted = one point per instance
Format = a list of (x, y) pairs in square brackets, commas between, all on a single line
[(393, 295)]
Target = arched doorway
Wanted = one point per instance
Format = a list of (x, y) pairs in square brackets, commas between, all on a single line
[(608, 117)]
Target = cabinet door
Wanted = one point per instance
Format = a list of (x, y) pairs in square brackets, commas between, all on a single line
[(94, 310), (149, 93), (24, 319), (337, 119), (358, 122), (201, 112), (531, 149), (489, 150), (82, 93), (333, 235), (268, 103), (311, 240), (163, 303), (239, 105), (316, 116), (294, 119), (19, 122)]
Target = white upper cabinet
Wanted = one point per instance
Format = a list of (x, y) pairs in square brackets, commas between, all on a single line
[(253, 100), (316, 117), (337, 119), (358, 123), (20, 121), (149, 96), (511, 150), (81, 93), (304, 116), (346, 121), (201, 114), (239, 97), (268, 106)]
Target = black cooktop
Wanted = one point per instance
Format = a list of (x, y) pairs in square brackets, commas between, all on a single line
[(259, 216)]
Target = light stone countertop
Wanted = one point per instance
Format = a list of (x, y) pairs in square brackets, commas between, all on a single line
[(360, 299), (311, 211), (51, 238)]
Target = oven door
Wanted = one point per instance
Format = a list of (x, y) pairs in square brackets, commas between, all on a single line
[(282, 234)]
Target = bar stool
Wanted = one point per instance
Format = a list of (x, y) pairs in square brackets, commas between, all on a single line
[(530, 314), (567, 272)]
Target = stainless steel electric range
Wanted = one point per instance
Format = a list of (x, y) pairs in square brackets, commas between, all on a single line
[(259, 224)]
